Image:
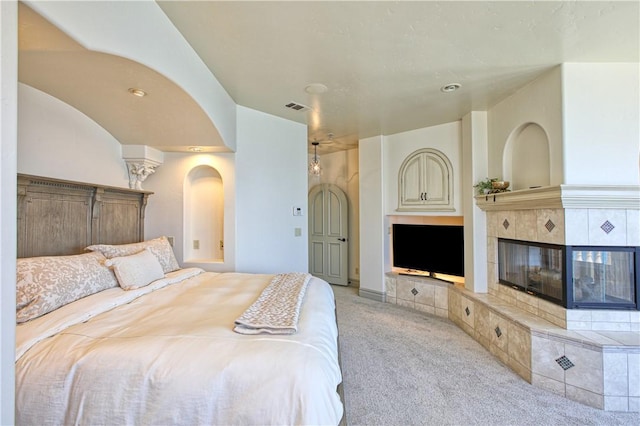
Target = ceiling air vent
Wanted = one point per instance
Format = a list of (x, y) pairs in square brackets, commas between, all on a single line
[(297, 107)]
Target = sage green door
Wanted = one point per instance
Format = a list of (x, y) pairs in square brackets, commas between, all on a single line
[(328, 231)]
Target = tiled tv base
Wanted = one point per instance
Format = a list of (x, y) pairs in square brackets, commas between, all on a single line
[(597, 368)]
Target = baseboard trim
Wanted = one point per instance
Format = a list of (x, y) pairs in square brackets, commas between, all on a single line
[(373, 295)]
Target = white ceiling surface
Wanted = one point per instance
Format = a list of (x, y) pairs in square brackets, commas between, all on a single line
[(97, 84), (383, 63)]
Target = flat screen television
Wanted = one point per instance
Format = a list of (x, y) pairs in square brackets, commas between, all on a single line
[(429, 248)]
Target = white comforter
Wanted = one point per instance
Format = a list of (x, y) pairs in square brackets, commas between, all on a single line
[(171, 357)]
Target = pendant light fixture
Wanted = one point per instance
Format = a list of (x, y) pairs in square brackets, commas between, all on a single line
[(314, 166)]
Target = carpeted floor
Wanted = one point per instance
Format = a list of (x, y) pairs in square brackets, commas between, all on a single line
[(404, 367)]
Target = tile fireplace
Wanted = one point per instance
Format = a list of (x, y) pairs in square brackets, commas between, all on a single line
[(578, 246)]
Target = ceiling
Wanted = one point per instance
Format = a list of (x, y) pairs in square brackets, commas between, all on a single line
[(383, 64)]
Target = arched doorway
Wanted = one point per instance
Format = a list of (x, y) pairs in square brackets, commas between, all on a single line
[(203, 216), (328, 232)]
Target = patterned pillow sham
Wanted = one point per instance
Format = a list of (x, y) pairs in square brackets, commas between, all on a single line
[(48, 282), (160, 247), (136, 270)]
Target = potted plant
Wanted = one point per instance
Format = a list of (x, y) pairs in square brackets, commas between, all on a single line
[(484, 186)]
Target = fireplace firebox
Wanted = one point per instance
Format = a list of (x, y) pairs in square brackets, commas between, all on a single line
[(575, 277)]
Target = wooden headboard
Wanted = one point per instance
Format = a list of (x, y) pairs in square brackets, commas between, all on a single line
[(60, 217)]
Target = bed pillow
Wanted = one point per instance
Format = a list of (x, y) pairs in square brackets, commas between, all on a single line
[(136, 270), (48, 282), (160, 248)]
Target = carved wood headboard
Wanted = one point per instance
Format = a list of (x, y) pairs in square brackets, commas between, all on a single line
[(60, 217)]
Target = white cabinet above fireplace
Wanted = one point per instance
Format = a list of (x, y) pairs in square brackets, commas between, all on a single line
[(425, 182)]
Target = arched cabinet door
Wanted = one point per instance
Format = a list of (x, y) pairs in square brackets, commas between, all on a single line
[(425, 182)]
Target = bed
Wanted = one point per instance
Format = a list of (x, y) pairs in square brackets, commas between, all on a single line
[(121, 334)]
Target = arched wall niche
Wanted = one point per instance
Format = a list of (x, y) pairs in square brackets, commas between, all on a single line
[(525, 160), (203, 216)]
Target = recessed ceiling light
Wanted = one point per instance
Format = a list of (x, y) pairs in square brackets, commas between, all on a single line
[(137, 92), (451, 87), (315, 88), (195, 149)]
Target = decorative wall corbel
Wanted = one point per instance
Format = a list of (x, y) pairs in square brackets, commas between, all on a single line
[(141, 162), (139, 171)]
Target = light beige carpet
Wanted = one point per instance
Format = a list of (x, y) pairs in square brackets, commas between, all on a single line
[(404, 367)]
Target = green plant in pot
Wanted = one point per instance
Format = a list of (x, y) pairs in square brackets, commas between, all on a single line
[(484, 186)]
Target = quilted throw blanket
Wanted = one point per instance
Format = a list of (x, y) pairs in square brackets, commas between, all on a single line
[(277, 308)]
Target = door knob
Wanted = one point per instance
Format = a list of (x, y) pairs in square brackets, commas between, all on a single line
[(342, 239)]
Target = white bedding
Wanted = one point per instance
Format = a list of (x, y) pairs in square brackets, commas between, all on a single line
[(169, 355)]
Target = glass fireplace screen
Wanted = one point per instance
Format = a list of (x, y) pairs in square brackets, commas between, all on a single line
[(599, 277), (603, 277)]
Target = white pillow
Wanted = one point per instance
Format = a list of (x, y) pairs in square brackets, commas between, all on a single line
[(160, 247), (46, 283), (137, 270)]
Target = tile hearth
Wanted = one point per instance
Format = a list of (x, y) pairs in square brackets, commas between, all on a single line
[(598, 368)]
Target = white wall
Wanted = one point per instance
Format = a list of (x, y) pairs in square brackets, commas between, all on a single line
[(591, 116), (8, 151), (57, 140), (353, 192), (538, 102), (341, 169), (271, 179), (445, 138), (474, 168), (601, 123), (374, 257)]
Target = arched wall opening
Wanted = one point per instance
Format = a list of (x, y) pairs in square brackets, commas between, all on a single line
[(526, 157), (203, 216)]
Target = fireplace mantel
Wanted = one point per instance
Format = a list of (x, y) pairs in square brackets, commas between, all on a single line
[(563, 196)]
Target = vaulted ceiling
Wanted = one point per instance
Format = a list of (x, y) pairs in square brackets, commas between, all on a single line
[(354, 69)]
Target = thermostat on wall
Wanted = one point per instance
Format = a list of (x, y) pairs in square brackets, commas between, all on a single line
[(297, 211)]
